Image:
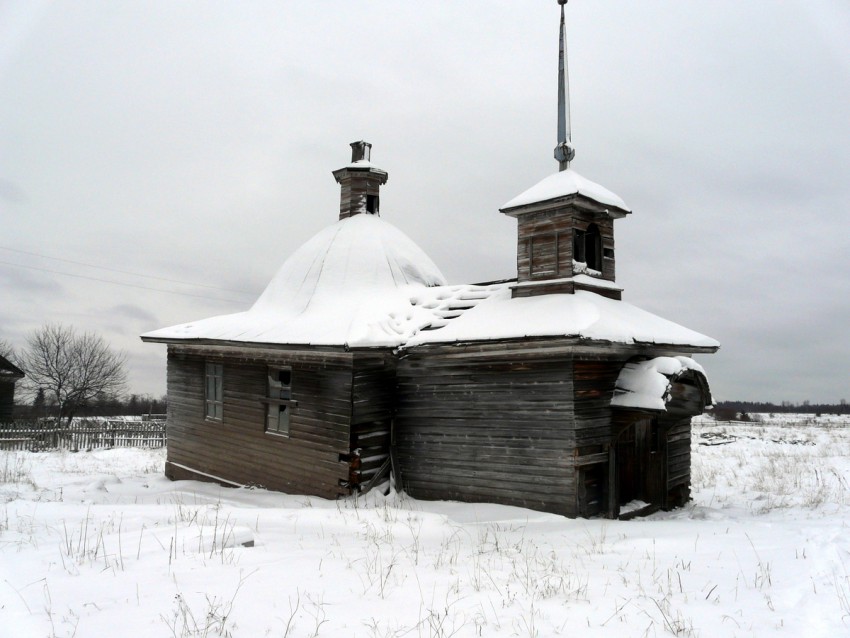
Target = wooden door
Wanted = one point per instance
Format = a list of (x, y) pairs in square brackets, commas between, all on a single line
[(640, 453)]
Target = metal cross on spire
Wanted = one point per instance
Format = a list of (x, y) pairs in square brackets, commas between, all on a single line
[(564, 151)]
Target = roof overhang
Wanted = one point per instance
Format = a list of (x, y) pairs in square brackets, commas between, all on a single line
[(9, 370), (262, 345), (576, 200), (573, 344)]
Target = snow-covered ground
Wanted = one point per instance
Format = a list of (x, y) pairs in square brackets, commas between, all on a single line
[(100, 544)]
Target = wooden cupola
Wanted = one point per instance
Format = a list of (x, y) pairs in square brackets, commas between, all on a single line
[(565, 223), (360, 183)]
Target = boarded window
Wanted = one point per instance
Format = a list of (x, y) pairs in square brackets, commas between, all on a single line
[(544, 255), (213, 395), (279, 403)]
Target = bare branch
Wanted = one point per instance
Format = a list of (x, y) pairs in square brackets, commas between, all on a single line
[(72, 369)]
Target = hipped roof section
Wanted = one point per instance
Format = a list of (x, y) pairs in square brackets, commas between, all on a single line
[(563, 184), (582, 314)]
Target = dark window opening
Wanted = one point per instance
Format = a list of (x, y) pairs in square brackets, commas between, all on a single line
[(372, 203), (608, 253), (578, 245), (587, 247)]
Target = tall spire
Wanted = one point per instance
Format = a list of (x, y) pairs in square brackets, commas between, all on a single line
[(564, 151)]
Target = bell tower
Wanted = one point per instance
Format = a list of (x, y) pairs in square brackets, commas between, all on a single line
[(565, 223)]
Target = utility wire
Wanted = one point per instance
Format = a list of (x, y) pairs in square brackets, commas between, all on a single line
[(123, 272), (121, 283)]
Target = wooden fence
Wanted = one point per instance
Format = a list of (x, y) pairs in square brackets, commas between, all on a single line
[(82, 434)]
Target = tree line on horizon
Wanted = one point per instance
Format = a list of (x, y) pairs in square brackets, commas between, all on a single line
[(105, 405), (729, 410)]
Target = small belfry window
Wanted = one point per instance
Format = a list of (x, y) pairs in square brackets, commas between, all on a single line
[(587, 247), (213, 395), (279, 402)]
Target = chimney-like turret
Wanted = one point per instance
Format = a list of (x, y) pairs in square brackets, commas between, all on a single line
[(360, 183)]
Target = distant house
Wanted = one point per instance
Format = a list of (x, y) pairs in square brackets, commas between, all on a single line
[(10, 374), (546, 391)]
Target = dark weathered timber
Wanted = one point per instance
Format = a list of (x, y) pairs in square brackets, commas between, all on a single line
[(678, 463), (520, 422), (496, 429), (9, 375), (373, 407), (7, 400), (531, 424), (545, 234), (238, 449)]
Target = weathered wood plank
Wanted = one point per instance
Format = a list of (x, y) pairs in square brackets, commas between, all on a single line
[(238, 448)]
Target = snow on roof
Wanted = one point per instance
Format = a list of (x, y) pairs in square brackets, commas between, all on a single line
[(565, 183), (646, 384), (321, 296), (363, 283), (351, 284), (582, 314)]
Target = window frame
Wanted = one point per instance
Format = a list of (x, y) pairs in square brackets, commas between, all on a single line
[(214, 391), (278, 401)]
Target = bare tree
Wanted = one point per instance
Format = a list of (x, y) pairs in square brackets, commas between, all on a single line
[(7, 351), (72, 368)]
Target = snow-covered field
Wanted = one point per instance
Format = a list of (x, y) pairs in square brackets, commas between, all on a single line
[(100, 544)]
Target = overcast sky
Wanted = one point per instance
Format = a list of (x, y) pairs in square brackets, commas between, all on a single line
[(194, 142)]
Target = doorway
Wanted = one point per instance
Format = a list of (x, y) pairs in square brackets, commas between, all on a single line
[(640, 462)]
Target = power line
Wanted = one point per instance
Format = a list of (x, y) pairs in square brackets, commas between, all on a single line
[(123, 272), (120, 283)]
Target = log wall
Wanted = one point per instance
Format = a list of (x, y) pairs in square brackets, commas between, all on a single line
[(7, 400), (526, 427), (373, 406), (520, 423), (545, 243), (678, 479), (494, 429), (238, 449)]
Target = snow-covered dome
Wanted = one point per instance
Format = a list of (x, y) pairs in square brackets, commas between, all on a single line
[(351, 284), (355, 257)]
